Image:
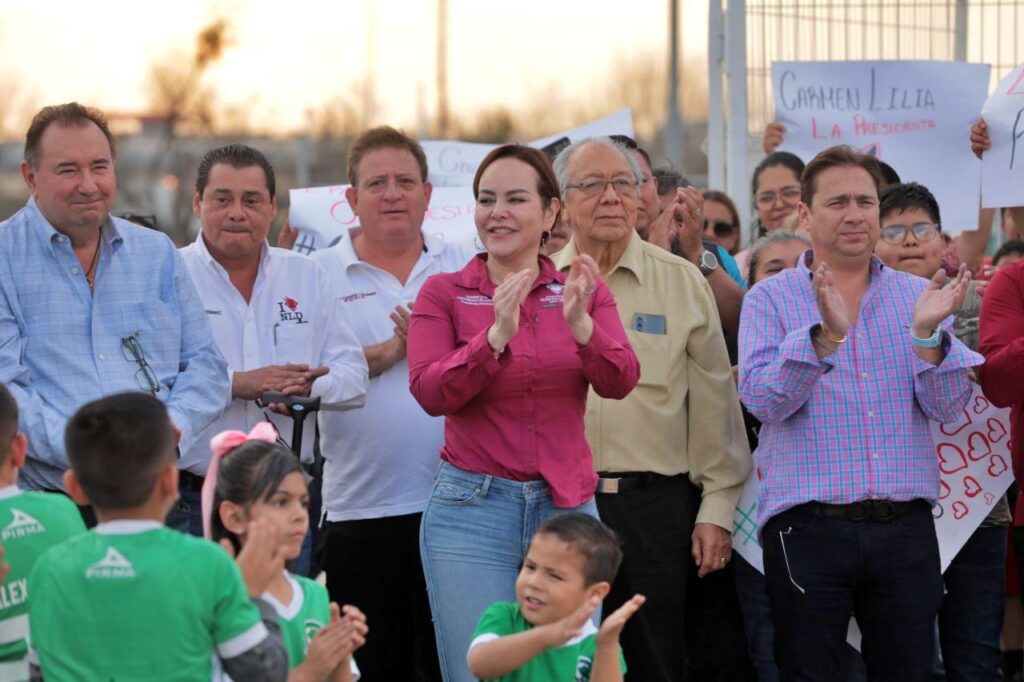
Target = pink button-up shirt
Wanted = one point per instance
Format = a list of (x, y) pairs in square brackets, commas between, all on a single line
[(519, 417)]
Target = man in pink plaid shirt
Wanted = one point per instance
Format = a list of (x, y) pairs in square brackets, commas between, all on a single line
[(845, 361)]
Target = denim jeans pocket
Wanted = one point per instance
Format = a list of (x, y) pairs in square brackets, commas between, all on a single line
[(454, 492)]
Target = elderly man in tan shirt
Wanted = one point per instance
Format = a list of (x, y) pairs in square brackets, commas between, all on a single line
[(676, 444)]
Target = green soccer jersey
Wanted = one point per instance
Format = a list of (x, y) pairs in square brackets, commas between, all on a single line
[(308, 612), (571, 662), (30, 523), (133, 600)]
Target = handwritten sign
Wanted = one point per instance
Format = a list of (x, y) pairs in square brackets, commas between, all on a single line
[(454, 164), (974, 472), (1002, 166), (914, 115), (323, 214), (619, 123)]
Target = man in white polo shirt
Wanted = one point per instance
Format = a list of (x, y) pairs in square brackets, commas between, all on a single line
[(273, 315), (380, 463)]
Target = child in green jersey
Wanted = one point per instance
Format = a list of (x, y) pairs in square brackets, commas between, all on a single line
[(548, 635), (30, 523), (252, 477), (132, 599)]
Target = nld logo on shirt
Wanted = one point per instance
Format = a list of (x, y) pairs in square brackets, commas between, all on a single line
[(21, 525), (289, 309), (113, 565)]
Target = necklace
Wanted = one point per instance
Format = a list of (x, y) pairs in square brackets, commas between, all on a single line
[(90, 277)]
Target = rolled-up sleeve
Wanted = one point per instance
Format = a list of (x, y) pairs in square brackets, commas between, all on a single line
[(719, 455), (942, 391), (609, 363)]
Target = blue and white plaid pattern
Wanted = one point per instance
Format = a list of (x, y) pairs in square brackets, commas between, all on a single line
[(61, 347), (853, 426)]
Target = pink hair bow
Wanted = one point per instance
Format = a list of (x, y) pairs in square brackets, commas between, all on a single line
[(221, 444)]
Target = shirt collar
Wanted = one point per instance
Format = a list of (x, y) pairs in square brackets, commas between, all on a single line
[(110, 234), (208, 258), (632, 258), (474, 274), (127, 527), (291, 609), (806, 262), (10, 491)]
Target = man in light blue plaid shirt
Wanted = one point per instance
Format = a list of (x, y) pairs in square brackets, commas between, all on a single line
[(845, 361), (90, 304)]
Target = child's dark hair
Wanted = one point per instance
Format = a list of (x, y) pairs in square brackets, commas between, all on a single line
[(1014, 246), (117, 446), (595, 541), (8, 420), (249, 473), (907, 197)]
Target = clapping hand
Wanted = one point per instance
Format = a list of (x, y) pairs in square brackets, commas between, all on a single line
[(507, 298), (831, 305), (937, 302), (612, 626), (561, 631), (579, 287)]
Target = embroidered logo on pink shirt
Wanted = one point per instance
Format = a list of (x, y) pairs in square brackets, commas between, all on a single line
[(474, 299)]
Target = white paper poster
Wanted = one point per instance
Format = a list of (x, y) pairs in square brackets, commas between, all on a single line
[(618, 123), (914, 115), (452, 163), (975, 471), (322, 214), (1002, 166)]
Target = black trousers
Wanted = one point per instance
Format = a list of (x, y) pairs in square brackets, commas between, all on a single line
[(654, 525), (374, 564), (822, 570)]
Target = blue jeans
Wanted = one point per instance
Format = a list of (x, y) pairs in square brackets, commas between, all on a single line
[(475, 532), (971, 618)]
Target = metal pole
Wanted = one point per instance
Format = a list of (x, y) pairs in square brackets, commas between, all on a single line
[(673, 122), (737, 175), (716, 112), (442, 68), (960, 32)]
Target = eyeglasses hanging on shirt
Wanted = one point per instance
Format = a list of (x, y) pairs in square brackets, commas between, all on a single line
[(133, 352)]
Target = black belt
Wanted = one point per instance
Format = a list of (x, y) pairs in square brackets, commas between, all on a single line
[(189, 481), (868, 510), (622, 482)]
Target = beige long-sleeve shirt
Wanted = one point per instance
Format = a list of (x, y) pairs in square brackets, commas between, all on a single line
[(684, 416)]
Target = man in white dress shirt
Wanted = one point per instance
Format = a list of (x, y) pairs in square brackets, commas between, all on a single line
[(381, 460), (273, 315)]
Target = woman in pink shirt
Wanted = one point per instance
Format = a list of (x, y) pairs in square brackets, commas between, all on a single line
[(506, 349)]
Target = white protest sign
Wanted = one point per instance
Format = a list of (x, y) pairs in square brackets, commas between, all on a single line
[(452, 163), (618, 123), (914, 115), (974, 472), (322, 215), (1002, 165)]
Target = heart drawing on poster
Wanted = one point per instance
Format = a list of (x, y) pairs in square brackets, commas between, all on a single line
[(971, 486), (996, 466), (959, 510), (996, 430), (943, 489), (978, 446), (980, 404), (951, 458)]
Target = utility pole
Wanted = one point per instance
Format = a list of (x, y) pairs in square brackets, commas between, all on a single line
[(673, 120), (442, 68)]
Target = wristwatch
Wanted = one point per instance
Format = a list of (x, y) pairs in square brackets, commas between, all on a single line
[(708, 262), (933, 341)]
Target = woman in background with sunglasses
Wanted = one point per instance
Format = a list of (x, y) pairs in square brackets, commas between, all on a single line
[(721, 220)]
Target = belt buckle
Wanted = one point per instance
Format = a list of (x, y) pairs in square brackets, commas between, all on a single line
[(885, 511), (608, 485), (857, 512)]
